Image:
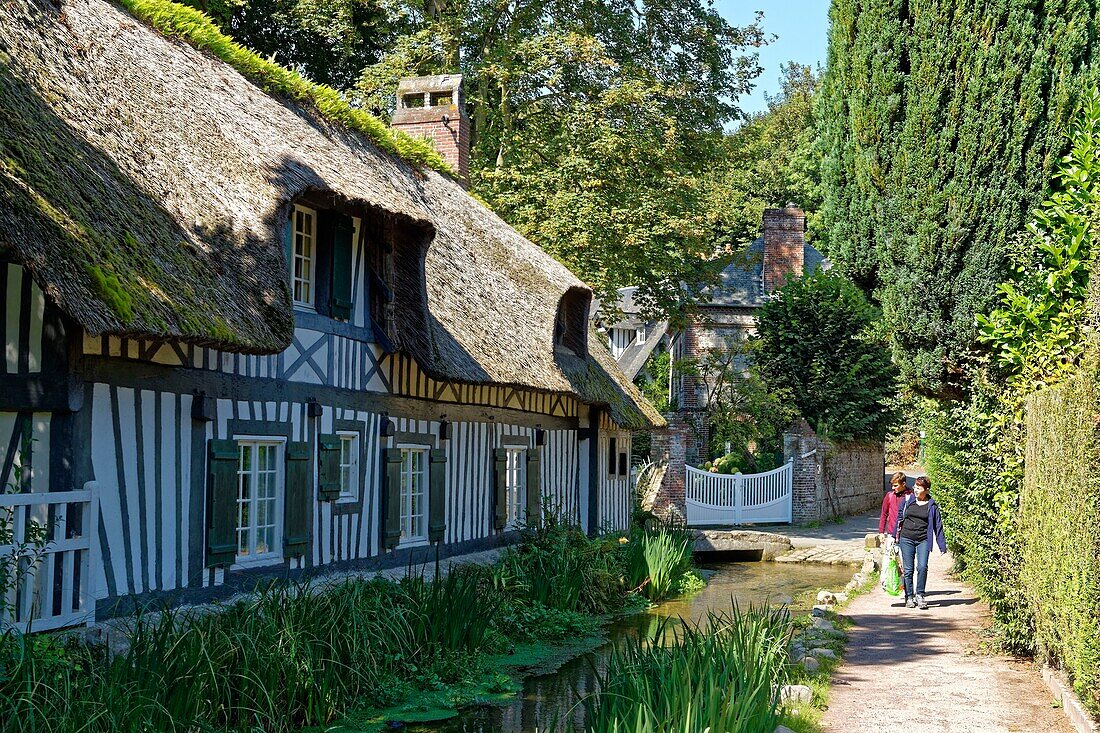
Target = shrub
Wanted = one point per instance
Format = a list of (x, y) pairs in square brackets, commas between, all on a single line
[(1060, 527)]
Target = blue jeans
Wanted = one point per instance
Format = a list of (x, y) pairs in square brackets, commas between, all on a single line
[(910, 550)]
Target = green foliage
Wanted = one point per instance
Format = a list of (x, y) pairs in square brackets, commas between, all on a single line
[(199, 30), (769, 161), (1060, 529), (740, 406), (593, 125), (720, 675), (817, 343), (975, 451), (654, 380), (657, 558), (941, 123), (328, 42), (286, 658), (557, 566), (1037, 331)]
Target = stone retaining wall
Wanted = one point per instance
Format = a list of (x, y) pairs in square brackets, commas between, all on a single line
[(833, 479)]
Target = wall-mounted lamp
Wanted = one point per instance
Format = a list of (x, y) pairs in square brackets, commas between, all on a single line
[(387, 429), (540, 437), (202, 407), (314, 409), (444, 430)]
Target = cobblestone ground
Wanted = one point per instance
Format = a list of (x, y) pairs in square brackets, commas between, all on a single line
[(923, 671)]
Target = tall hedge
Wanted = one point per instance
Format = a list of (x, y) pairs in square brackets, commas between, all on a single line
[(1060, 529), (941, 122)]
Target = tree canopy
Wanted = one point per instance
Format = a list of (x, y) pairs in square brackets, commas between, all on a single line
[(817, 343), (940, 124), (593, 122)]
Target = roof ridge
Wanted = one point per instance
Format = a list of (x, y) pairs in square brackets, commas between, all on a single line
[(196, 28)]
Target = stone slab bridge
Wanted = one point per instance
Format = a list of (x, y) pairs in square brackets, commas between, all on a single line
[(766, 545)]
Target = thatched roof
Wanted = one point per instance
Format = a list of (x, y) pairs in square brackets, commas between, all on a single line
[(144, 183)]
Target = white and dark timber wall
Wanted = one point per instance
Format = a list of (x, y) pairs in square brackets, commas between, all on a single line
[(157, 429)]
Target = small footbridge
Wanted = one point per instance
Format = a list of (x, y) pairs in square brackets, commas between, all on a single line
[(720, 505)]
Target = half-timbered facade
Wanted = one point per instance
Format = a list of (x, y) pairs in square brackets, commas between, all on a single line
[(243, 342)]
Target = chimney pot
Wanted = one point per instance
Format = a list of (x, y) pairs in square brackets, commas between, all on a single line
[(784, 245), (434, 108)]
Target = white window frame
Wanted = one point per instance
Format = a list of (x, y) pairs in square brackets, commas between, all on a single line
[(349, 469), (274, 553), (515, 485), (406, 498), (308, 283)]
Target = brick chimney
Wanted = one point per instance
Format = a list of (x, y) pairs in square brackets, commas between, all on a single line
[(784, 245), (434, 107)]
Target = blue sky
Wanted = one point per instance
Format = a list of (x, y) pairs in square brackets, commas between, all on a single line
[(801, 27)]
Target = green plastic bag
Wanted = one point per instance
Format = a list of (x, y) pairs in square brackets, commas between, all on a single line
[(893, 577)]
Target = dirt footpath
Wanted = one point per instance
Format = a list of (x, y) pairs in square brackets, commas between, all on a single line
[(942, 683)]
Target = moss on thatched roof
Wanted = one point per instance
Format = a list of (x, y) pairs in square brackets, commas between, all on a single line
[(144, 183)]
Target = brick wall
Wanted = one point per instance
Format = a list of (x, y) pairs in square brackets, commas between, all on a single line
[(679, 446), (784, 245), (832, 479)]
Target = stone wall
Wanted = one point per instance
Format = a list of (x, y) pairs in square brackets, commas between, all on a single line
[(833, 479)]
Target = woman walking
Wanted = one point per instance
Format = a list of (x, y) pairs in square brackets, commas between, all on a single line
[(919, 524), (888, 516)]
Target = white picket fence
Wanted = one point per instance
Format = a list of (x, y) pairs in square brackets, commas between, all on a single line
[(50, 585), (715, 499)]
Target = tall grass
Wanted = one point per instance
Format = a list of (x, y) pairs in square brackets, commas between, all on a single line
[(657, 559), (721, 676), (559, 567), (286, 658)]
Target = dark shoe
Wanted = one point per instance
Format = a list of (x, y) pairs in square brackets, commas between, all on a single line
[(921, 603), (911, 602)]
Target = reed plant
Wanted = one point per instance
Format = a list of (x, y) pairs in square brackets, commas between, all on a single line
[(657, 558), (721, 675), (286, 658)]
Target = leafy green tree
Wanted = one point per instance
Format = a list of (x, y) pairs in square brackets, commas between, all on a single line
[(593, 125), (818, 342), (329, 41), (1038, 334), (940, 125), (769, 161)]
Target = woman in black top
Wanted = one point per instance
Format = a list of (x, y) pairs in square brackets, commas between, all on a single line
[(919, 524)]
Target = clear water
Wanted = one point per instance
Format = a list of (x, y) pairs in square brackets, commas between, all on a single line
[(554, 697)]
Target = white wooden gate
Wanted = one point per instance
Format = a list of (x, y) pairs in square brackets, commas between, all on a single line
[(52, 584), (723, 499)]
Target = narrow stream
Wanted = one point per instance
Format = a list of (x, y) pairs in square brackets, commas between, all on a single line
[(544, 699)]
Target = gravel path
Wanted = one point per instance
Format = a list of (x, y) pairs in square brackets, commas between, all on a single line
[(941, 682)]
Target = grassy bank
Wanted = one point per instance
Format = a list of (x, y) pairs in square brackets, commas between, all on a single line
[(358, 652)]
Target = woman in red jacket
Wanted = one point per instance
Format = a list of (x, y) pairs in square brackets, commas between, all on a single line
[(888, 517)]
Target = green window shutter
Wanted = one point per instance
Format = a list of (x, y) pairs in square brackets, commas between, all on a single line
[(500, 495), (340, 298), (437, 496), (221, 503), (534, 487), (299, 492), (288, 246), (391, 503), (328, 487)]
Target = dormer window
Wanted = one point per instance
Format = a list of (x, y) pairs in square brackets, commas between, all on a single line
[(571, 323), (304, 237), (320, 245)]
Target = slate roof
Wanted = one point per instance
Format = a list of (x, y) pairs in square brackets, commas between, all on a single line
[(741, 283)]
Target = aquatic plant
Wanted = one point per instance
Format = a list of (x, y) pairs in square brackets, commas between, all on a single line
[(657, 560), (722, 675)]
